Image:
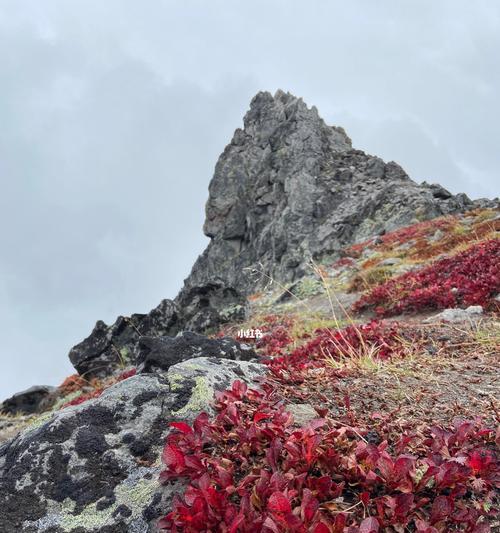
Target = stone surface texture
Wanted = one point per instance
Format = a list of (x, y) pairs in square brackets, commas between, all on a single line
[(289, 188), (473, 312)]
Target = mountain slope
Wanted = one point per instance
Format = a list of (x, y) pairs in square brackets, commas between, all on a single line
[(288, 189), (299, 412)]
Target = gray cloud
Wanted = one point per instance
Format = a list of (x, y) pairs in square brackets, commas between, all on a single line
[(113, 115)]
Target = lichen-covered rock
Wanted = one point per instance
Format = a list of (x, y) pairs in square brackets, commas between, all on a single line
[(160, 353), (107, 347), (94, 467), (26, 402)]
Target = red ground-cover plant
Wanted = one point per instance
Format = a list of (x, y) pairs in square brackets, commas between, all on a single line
[(276, 334), (250, 469), (276, 340), (471, 277), (99, 390), (383, 338), (417, 231)]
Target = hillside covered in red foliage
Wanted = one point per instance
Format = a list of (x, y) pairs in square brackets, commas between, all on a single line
[(366, 458)]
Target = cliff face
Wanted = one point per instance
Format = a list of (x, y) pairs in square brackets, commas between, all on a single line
[(287, 189)]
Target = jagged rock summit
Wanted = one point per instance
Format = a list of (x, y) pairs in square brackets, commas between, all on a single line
[(287, 189)]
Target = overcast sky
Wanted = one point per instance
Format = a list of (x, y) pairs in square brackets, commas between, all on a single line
[(113, 114)]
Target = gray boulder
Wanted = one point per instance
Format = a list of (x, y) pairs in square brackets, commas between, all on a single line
[(205, 307), (473, 312), (160, 353), (109, 346), (93, 468), (28, 401)]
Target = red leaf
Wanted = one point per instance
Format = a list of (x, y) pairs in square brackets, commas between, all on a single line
[(480, 460), (369, 525), (258, 416), (173, 457), (424, 527), (239, 389), (365, 497), (441, 508), (340, 523), (279, 503), (270, 524), (386, 466), (404, 504), (321, 528), (182, 426), (309, 505), (200, 422), (403, 465)]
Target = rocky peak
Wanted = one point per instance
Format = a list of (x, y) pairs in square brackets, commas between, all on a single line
[(282, 138), (289, 188)]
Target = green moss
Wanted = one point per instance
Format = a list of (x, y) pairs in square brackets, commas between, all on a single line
[(125, 355)]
